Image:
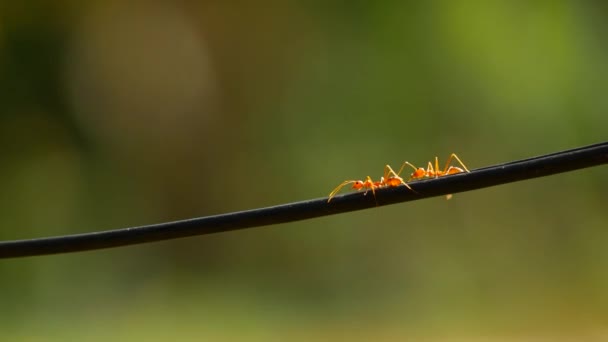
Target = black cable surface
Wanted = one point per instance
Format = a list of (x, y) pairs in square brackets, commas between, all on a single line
[(545, 165)]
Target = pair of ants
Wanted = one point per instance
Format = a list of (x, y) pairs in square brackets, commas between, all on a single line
[(392, 178)]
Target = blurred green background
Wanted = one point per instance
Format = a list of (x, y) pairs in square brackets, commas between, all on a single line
[(116, 114)]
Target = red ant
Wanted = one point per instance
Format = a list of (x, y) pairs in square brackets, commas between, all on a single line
[(390, 179), (435, 172), (367, 184)]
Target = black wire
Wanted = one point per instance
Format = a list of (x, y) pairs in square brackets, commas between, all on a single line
[(480, 178)]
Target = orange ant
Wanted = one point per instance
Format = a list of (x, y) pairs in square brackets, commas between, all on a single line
[(435, 172), (367, 184), (390, 179)]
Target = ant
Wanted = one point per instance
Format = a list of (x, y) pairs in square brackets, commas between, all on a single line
[(367, 184), (390, 179), (435, 172)]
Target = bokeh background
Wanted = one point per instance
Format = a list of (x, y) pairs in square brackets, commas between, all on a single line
[(116, 114)]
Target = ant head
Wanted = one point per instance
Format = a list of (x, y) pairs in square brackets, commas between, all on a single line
[(358, 185)]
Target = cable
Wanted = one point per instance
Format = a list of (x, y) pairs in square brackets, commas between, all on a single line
[(541, 166)]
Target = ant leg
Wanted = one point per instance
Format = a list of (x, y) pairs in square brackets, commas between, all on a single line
[(388, 175), (388, 171), (408, 164), (430, 171), (368, 184), (373, 186), (335, 191), (454, 156), (437, 170)]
